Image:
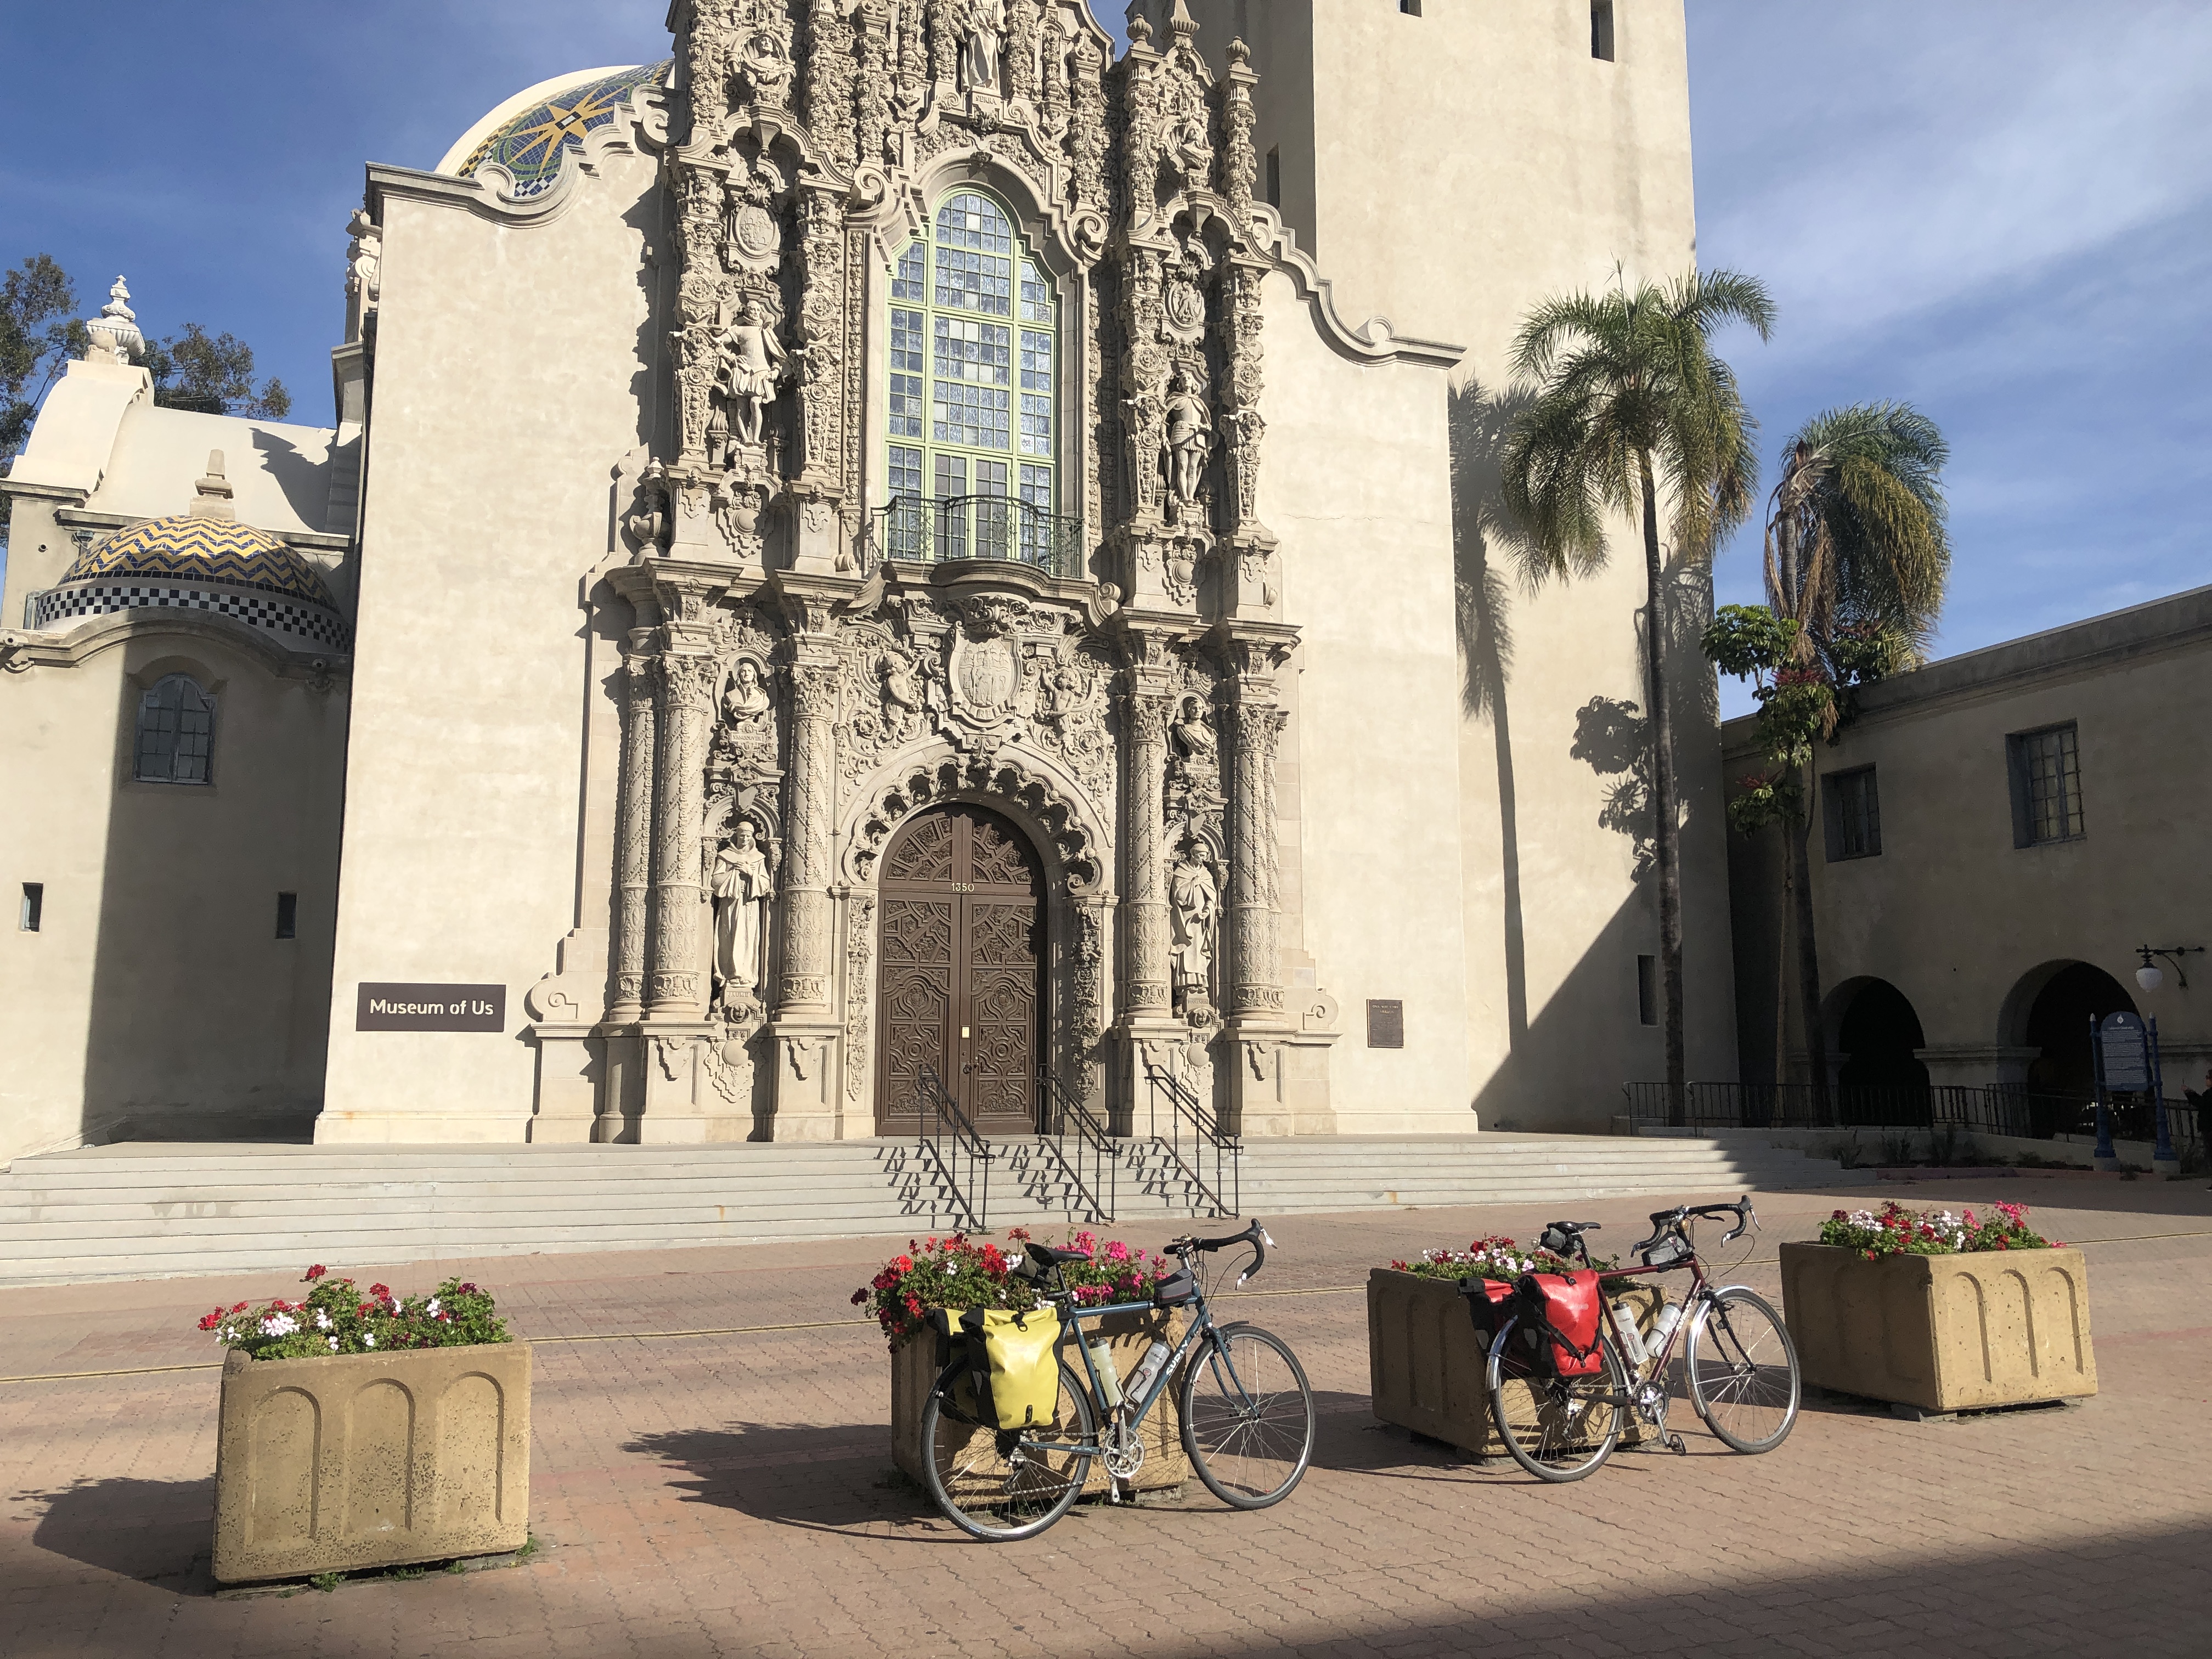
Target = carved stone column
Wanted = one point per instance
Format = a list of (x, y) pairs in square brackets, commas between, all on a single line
[(1146, 994), (634, 826), (809, 803), (1256, 1024), (672, 978)]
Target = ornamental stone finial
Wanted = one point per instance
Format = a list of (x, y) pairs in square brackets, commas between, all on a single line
[(115, 336)]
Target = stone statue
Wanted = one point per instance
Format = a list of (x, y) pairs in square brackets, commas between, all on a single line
[(1193, 899), (742, 889), (1190, 432), (902, 698), (1196, 753), (748, 720), (983, 33), (752, 361)]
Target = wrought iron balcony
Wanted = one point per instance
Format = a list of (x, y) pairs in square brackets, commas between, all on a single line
[(977, 527)]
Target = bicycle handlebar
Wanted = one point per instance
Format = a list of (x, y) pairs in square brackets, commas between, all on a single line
[(1746, 1218), (1255, 1236)]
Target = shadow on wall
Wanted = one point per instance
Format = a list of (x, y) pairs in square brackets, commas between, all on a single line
[(1552, 1075)]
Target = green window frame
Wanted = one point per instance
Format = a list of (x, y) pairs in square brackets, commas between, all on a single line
[(973, 413)]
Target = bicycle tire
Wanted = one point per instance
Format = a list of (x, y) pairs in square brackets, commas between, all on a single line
[(971, 1475), (1752, 1380), (1247, 1416), (1541, 1417)]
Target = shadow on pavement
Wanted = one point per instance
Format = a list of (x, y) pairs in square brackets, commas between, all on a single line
[(159, 1532), (836, 1478)]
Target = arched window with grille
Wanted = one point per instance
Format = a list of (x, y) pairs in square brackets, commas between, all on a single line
[(176, 739), (974, 351)]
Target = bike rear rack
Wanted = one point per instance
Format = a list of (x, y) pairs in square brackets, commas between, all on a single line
[(948, 1140)]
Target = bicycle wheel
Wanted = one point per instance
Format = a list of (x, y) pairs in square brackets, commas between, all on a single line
[(1558, 1428), (997, 1485), (1742, 1371), (1247, 1416)]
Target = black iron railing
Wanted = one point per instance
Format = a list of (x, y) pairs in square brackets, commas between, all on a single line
[(976, 527), (1998, 1109), (1075, 1139), (1190, 1132), (960, 1157)]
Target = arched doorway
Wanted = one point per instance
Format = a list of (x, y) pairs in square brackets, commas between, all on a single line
[(2063, 1080), (1879, 1034), (961, 983)]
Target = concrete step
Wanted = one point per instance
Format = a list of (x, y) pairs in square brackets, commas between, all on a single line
[(153, 1210)]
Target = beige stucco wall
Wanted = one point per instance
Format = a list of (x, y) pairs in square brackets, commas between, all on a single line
[(1356, 486), (1960, 920), (155, 1000), (1449, 171), (506, 388)]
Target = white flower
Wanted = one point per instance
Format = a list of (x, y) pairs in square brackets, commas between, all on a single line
[(279, 1325), (322, 1320), (334, 1345), (431, 1306), (368, 1338)]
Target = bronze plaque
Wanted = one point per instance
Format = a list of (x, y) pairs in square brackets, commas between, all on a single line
[(1386, 1024)]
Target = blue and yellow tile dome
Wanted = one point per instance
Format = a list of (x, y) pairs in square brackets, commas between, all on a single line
[(190, 548), (529, 143)]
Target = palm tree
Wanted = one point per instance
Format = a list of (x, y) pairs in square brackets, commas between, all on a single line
[(1857, 553), (1629, 398)]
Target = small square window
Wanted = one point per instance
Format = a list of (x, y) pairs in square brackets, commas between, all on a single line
[(1411, 7), (1647, 990), (1851, 814), (287, 915), (35, 906), (2045, 768), (1601, 29)]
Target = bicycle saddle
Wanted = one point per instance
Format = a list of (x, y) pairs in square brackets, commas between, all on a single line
[(1049, 1256)]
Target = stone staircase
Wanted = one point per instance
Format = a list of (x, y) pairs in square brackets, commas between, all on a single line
[(143, 1210)]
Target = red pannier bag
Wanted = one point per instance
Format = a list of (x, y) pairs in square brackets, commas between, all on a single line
[(1563, 1307), (1489, 1304)]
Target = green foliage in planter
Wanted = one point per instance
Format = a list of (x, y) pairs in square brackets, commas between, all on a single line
[(960, 1272), (1495, 1257), (337, 1318), (1896, 1230)]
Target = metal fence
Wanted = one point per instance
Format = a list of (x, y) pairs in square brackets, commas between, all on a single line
[(976, 527), (1077, 1141), (949, 1144), (1997, 1109), (1208, 1156)]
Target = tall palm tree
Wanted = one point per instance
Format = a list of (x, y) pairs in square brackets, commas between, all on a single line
[(1629, 400), (1857, 552)]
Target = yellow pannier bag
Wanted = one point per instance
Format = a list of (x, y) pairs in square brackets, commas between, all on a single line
[(1015, 1358)]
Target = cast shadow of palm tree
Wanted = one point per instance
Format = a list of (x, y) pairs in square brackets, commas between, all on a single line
[(838, 1478), (158, 1531)]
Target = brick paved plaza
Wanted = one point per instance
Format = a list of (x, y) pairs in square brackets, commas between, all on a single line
[(722, 1484)]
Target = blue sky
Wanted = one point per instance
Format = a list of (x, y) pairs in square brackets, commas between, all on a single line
[(1997, 211)]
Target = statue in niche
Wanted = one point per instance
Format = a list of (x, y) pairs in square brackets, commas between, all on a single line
[(1196, 756), (1190, 434), (902, 697), (1193, 902), (983, 37), (752, 361), (742, 887), (1060, 693), (747, 739), (1189, 149)]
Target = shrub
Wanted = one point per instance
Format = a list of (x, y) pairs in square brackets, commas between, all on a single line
[(336, 1318), (1496, 1257)]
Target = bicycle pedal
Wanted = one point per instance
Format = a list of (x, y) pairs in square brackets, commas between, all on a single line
[(1679, 1446)]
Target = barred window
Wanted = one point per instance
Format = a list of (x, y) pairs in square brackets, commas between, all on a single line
[(974, 333), (1852, 813), (176, 733), (2046, 784)]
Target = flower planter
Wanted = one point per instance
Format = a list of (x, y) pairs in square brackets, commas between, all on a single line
[(1943, 1332), (915, 1367), (371, 1459), (1426, 1366)]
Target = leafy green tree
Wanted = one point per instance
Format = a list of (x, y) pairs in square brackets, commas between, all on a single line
[(213, 375), (1857, 556), (38, 332), (1629, 402)]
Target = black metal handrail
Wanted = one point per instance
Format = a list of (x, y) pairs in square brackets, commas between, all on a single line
[(1090, 1165), (933, 531), (1193, 1124), (1995, 1109), (946, 1138)]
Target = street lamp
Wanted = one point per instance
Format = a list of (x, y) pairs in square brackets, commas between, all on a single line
[(2150, 977)]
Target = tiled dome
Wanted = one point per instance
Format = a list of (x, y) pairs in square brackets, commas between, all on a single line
[(196, 549), (528, 143)]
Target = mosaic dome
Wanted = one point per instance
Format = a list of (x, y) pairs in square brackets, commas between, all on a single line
[(192, 549), (528, 141)]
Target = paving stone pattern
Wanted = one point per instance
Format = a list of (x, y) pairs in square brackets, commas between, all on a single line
[(727, 1494)]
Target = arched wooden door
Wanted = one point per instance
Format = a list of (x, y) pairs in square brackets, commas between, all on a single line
[(962, 974)]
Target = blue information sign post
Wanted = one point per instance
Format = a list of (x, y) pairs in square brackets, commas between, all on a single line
[(2125, 1050)]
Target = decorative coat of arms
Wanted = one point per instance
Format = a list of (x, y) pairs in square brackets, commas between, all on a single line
[(986, 671)]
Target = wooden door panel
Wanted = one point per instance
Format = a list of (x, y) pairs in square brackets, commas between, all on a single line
[(917, 1003), (1002, 1007)]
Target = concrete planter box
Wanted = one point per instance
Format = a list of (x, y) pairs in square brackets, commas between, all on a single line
[(371, 1459), (1425, 1365), (914, 1368), (1943, 1332)]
